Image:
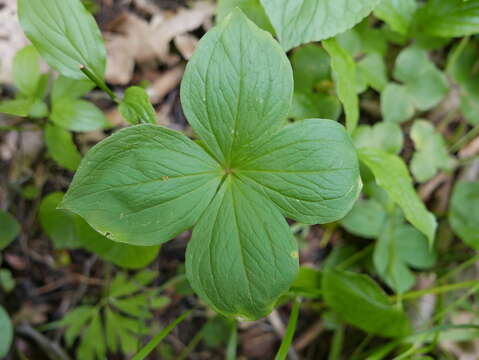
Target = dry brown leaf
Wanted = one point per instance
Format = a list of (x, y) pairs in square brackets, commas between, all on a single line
[(165, 83), (186, 45), (12, 38)]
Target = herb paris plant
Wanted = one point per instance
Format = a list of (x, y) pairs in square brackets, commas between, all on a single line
[(146, 184)]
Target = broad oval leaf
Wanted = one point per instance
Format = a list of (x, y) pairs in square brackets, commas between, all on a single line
[(26, 71), (237, 87), (242, 255), (61, 147), (252, 8), (464, 212), (392, 174), (366, 219), (143, 185), (65, 34), (361, 302), (302, 21), (64, 87), (9, 229), (68, 230), (6, 331), (77, 115), (309, 170)]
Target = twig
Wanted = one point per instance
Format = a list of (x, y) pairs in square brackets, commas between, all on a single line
[(51, 349), (309, 335)]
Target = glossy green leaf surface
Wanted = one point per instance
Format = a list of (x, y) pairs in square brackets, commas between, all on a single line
[(136, 107), (252, 8), (70, 231), (464, 212), (123, 190), (449, 18), (61, 147), (345, 72), (225, 241), (9, 229), (392, 174), (302, 21), (7, 332), (361, 302), (308, 169), (230, 103), (65, 34)]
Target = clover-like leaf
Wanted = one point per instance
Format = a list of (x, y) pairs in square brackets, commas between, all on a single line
[(146, 184), (302, 21)]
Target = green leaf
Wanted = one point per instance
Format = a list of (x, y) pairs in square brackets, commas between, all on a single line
[(26, 71), (431, 153), (252, 8), (373, 69), (136, 107), (18, 107), (391, 174), (75, 320), (61, 147), (7, 332), (345, 72), (307, 105), (464, 212), (386, 136), (238, 275), (7, 282), (398, 14), (253, 101), (397, 104), (92, 345), (451, 18), (398, 246), (311, 66), (361, 302), (65, 87), (77, 115), (307, 283), (9, 229), (65, 34), (137, 198), (302, 21), (68, 230), (297, 167), (366, 219)]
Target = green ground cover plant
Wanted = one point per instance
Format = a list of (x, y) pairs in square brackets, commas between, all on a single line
[(336, 117)]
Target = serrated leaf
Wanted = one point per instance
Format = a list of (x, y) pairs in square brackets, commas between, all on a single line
[(252, 8), (92, 345), (71, 88), (391, 174), (7, 332), (65, 34), (296, 167), (253, 101), (431, 153), (77, 115), (68, 230), (258, 271), (9, 229), (451, 18), (136, 107), (302, 21), (26, 71), (75, 320), (135, 306), (61, 147), (136, 198), (345, 74), (464, 212), (361, 302), (398, 14)]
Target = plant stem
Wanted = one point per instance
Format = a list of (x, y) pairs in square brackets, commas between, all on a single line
[(232, 343), (153, 343), (337, 343), (288, 336), (100, 83), (436, 290), (465, 139), (191, 345)]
